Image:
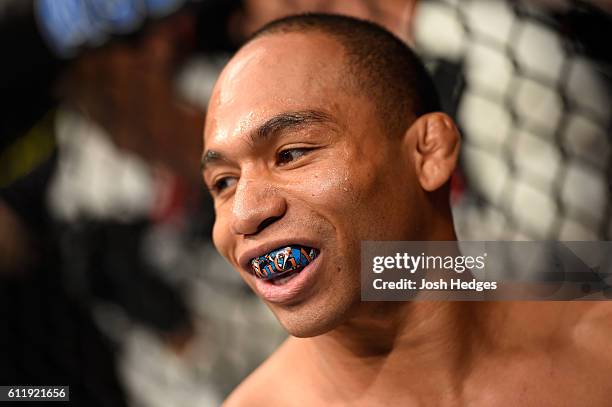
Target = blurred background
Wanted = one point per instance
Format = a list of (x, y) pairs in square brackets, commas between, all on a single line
[(108, 279)]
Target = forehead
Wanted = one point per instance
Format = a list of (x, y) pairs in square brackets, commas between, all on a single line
[(273, 74)]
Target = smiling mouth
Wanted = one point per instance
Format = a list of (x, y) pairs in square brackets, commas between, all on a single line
[(282, 263)]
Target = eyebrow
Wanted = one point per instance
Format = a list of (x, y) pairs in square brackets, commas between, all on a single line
[(274, 125), (286, 121)]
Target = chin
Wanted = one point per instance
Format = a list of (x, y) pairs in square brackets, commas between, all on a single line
[(316, 316)]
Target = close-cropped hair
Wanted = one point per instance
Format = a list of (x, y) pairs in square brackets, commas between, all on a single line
[(383, 67)]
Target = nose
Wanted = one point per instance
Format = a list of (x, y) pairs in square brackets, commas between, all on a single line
[(256, 206)]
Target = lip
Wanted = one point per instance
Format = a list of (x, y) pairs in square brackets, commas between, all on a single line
[(293, 290)]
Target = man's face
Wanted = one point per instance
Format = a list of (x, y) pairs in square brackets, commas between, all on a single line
[(295, 156)]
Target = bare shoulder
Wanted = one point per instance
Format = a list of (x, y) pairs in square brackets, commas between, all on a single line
[(593, 330), (271, 383)]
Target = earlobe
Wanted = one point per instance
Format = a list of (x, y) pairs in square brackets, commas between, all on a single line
[(436, 149)]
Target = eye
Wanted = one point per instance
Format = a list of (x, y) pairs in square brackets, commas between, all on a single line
[(222, 184), (291, 154)]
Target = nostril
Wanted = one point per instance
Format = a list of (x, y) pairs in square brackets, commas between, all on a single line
[(267, 222)]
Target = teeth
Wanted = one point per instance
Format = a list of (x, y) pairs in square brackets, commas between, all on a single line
[(282, 261)]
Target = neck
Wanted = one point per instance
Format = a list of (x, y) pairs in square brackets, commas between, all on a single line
[(428, 342)]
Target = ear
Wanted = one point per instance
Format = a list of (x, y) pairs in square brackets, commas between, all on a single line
[(436, 143)]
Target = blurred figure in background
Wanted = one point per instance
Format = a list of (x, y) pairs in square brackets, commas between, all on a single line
[(73, 226)]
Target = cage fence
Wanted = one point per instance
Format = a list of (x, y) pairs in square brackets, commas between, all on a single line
[(532, 98)]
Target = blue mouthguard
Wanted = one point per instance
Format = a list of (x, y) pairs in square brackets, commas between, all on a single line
[(282, 261)]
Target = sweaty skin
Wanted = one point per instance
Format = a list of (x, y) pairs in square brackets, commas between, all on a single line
[(294, 155)]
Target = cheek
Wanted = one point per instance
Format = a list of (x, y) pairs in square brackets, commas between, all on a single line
[(369, 200), (221, 237), (345, 195), (325, 190)]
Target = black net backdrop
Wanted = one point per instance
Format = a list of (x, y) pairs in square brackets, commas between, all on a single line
[(530, 86)]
